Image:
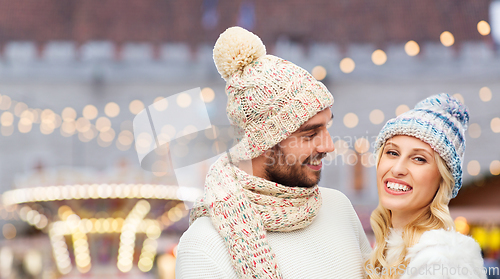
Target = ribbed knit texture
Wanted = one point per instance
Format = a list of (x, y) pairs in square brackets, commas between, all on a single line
[(332, 246), (244, 207), (441, 122), (268, 98)]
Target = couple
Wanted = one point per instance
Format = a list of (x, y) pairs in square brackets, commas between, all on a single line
[(262, 214)]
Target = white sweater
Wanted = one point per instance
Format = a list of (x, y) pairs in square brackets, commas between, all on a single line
[(333, 246), (439, 254)]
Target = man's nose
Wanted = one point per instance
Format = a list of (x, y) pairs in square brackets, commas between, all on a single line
[(326, 145)]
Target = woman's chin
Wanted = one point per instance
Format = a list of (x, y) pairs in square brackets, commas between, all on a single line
[(395, 205)]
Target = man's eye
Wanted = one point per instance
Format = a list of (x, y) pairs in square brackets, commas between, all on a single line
[(311, 135)]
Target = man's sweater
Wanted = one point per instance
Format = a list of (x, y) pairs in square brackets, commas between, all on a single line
[(333, 246)]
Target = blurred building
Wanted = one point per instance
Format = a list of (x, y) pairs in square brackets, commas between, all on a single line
[(74, 74)]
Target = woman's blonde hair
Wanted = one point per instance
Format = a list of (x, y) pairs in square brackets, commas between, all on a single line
[(436, 216)]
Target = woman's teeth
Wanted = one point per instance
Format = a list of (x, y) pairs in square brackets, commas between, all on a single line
[(398, 187)]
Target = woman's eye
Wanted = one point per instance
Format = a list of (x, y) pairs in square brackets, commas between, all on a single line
[(391, 153), (420, 159)]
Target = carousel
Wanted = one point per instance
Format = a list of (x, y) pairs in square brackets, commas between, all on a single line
[(103, 224)]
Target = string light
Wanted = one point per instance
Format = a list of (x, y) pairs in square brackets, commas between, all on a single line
[(207, 94), (112, 109), (136, 106), (347, 65), (474, 130), (103, 124), (7, 118), (376, 116), (183, 100), (495, 125), (473, 168), (68, 114), (459, 97), (319, 72), (362, 145), (160, 104), (5, 102), (412, 48), (127, 237), (351, 120), (447, 39), (483, 28), (495, 167), (379, 57), (48, 193), (20, 108), (485, 94), (90, 112)]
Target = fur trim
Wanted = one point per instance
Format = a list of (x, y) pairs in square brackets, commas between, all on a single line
[(445, 254), (395, 246)]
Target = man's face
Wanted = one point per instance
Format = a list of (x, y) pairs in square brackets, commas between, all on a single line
[(296, 161)]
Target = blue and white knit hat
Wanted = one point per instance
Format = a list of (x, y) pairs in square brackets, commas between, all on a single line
[(441, 122)]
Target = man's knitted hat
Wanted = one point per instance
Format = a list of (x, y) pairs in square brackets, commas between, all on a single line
[(441, 122), (268, 98)]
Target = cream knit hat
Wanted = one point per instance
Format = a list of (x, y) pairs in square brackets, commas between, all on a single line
[(268, 98)]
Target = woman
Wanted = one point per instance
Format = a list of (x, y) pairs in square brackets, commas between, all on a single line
[(420, 155)]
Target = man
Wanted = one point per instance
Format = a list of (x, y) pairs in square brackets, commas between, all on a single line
[(262, 214)]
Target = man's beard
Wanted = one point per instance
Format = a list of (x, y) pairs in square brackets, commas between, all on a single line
[(291, 174)]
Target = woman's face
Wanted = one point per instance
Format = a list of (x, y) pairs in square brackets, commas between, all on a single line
[(407, 176)]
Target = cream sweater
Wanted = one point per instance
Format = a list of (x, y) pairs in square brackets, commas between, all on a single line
[(333, 246)]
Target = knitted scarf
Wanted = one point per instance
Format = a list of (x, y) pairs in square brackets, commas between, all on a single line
[(243, 207)]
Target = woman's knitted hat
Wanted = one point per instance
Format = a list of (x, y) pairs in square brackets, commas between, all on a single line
[(441, 122), (268, 98)]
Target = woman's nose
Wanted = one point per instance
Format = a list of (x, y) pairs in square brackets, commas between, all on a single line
[(399, 168)]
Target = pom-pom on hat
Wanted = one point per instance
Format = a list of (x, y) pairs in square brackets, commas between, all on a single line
[(441, 122), (268, 98)]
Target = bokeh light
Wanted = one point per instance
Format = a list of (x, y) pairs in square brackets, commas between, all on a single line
[(7, 118), (9, 231), (474, 130), (485, 94), (376, 116), (207, 94), (112, 109), (473, 168), (362, 145), (68, 114), (90, 112), (160, 103), (495, 125), (447, 39), (103, 124), (347, 65), (319, 72), (495, 167), (412, 48), (459, 97), (136, 106), (483, 28), (379, 57), (183, 100), (351, 120), (401, 109)]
